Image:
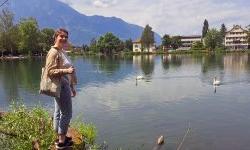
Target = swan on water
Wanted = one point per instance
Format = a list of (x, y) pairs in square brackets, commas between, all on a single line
[(216, 82), (139, 77)]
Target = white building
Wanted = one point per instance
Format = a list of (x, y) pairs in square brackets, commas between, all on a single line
[(137, 47), (187, 41), (236, 38)]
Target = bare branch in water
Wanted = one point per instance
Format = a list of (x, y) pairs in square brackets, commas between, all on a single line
[(183, 139)]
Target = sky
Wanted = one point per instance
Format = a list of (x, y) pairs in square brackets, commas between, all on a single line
[(174, 17)]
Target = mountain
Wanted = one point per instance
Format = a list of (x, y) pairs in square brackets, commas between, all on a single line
[(82, 28)]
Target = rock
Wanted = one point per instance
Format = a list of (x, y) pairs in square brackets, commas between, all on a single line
[(76, 138), (2, 114), (35, 145)]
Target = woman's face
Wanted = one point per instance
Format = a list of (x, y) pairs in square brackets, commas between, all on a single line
[(62, 39)]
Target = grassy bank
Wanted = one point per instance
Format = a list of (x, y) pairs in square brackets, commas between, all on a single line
[(21, 128)]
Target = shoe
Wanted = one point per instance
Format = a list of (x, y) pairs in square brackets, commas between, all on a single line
[(68, 139), (64, 145)]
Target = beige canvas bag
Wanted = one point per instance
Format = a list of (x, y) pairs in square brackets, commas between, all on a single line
[(49, 85)]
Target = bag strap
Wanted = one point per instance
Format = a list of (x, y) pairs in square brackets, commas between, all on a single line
[(58, 59)]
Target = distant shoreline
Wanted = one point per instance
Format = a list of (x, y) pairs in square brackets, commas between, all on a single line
[(163, 52), (13, 57), (179, 52), (18, 57)]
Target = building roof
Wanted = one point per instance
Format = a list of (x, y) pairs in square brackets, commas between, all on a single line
[(137, 41), (190, 36), (236, 27)]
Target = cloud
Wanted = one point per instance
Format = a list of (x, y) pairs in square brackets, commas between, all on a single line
[(175, 17), (103, 3)]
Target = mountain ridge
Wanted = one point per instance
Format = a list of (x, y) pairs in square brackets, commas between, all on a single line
[(82, 28)]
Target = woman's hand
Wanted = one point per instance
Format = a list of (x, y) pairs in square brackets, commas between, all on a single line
[(70, 70)]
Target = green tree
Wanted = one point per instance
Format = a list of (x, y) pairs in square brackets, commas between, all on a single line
[(213, 39), (205, 28), (223, 30), (29, 36), (8, 32), (175, 42), (93, 46), (46, 39), (85, 48), (198, 45), (128, 45), (166, 41), (147, 37), (109, 44)]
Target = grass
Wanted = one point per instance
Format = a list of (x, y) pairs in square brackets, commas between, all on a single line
[(21, 126), (88, 131)]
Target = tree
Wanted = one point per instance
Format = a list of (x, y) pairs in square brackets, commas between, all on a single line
[(46, 39), (93, 46), (205, 28), (109, 44), (147, 37), (213, 39), (223, 30), (128, 45), (198, 45), (8, 32), (166, 41), (175, 42), (29, 35), (85, 48)]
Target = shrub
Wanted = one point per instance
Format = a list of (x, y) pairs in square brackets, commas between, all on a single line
[(20, 127)]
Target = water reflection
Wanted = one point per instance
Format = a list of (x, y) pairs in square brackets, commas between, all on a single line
[(165, 61), (180, 91), (25, 74), (107, 64), (145, 63), (176, 61), (212, 62), (98, 70), (236, 64), (16, 74)]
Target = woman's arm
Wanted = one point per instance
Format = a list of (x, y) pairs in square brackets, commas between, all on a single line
[(52, 64)]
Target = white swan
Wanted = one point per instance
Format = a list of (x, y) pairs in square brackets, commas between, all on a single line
[(216, 82), (139, 77)]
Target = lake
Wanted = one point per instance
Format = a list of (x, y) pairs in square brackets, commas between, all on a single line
[(176, 93)]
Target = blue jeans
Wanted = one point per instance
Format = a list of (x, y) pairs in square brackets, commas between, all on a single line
[(63, 109)]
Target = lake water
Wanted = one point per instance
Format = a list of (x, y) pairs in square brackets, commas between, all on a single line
[(177, 92)]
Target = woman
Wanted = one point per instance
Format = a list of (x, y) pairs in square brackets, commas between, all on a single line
[(59, 66)]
